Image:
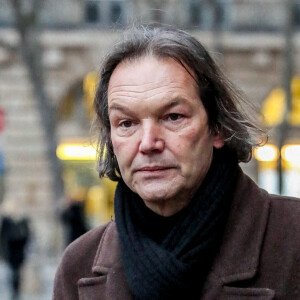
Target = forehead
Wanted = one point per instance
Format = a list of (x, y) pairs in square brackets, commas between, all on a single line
[(150, 75)]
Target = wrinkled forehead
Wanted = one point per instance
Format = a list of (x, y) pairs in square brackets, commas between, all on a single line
[(150, 76), (129, 70)]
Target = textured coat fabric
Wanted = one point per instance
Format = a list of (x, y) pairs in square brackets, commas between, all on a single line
[(259, 257)]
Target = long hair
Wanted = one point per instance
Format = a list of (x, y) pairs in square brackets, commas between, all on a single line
[(227, 110)]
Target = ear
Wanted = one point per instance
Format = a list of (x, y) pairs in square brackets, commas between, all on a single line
[(218, 141)]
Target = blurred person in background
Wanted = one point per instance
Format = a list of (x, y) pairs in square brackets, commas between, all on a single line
[(189, 224), (14, 237), (74, 219)]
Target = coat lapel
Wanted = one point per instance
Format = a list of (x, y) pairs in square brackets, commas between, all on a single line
[(109, 282), (239, 254)]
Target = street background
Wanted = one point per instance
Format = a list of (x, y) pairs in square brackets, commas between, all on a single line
[(50, 52)]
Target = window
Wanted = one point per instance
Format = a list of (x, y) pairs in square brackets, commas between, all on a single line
[(115, 12), (105, 13), (195, 13), (92, 12)]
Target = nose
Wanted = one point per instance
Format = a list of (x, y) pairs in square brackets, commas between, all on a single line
[(151, 139)]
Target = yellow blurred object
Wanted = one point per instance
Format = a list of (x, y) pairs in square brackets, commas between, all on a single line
[(266, 153), (78, 193), (79, 155), (269, 154), (99, 205), (76, 152), (89, 88), (295, 113), (291, 155), (96, 205), (110, 187), (274, 105)]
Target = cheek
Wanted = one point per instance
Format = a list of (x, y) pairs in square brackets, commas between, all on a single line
[(194, 148), (124, 151), (193, 136), (192, 139)]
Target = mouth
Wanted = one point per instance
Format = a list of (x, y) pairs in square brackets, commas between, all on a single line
[(154, 169)]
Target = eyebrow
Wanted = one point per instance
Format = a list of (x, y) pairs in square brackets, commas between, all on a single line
[(121, 108), (174, 102)]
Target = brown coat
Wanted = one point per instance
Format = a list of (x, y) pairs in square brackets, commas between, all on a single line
[(259, 257)]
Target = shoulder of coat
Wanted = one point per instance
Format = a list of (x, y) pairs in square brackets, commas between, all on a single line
[(85, 247), (291, 204), (285, 214)]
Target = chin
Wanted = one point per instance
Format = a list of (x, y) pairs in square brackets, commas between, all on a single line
[(156, 191), (156, 195), (152, 196)]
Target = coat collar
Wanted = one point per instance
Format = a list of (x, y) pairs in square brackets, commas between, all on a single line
[(239, 254), (108, 253), (109, 281)]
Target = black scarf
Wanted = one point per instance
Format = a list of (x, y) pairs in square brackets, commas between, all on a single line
[(169, 257)]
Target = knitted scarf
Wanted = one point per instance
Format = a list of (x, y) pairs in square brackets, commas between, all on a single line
[(172, 262)]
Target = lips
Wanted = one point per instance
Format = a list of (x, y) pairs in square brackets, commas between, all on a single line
[(153, 169)]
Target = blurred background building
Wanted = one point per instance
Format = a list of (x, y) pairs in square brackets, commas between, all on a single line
[(50, 52)]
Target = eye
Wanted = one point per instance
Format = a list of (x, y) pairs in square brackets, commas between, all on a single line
[(174, 117), (126, 124)]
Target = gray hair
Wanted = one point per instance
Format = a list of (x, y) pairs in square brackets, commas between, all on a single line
[(225, 107)]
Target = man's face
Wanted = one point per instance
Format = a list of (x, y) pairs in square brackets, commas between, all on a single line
[(159, 132)]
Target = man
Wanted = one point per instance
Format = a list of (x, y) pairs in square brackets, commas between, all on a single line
[(188, 223), (14, 239)]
